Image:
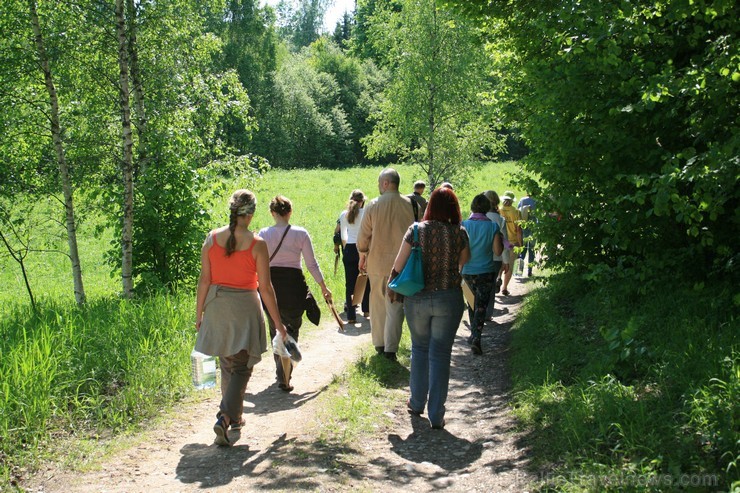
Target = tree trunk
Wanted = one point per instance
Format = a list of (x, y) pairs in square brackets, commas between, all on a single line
[(127, 163), (138, 87), (56, 136), (20, 258)]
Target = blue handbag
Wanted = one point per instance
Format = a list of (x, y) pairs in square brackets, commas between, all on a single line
[(411, 279)]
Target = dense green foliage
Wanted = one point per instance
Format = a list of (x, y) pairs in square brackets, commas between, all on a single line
[(319, 109), (431, 113), (630, 110), (654, 401)]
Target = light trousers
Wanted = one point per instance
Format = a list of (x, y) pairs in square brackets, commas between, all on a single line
[(386, 318)]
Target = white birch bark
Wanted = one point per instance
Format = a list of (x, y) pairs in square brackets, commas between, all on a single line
[(56, 135), (127, 161)]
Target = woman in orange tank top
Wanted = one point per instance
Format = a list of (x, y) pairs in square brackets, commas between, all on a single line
[(229, 321)]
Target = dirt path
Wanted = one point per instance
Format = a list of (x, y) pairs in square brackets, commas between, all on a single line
[(278, 448)]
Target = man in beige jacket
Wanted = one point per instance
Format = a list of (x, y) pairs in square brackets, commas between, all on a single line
[(385, 222)]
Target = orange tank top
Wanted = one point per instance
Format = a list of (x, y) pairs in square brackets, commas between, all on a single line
[(239, 270)]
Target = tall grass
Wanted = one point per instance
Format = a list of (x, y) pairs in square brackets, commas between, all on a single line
[(105, 366), (626, 393)]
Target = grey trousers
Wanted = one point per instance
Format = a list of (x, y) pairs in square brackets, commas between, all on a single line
[(235, 374)]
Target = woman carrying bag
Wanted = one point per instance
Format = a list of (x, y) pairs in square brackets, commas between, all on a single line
[(434, 313), (348, 227), (234, 266), (287, 244)]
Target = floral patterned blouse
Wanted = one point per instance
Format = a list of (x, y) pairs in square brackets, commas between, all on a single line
[(441, 245)]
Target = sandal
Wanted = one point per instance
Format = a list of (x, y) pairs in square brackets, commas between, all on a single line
[(222, 432), (411, 410), (235, 425)]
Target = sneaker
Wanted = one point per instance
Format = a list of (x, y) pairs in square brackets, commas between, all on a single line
[(351, 321), (499, 282), (475, 346), (440, 426), (366, 314), (222, 433)]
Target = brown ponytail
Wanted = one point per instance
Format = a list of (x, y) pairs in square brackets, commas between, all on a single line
[(353, 206), (231, 242)]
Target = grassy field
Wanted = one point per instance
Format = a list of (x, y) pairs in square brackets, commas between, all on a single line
[(77, 372)]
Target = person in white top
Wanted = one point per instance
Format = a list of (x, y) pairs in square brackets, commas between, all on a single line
[(348, 227)]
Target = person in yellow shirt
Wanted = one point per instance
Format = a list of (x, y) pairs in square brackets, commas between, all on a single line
[(512, 219)]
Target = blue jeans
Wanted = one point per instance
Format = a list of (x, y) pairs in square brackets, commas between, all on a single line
[(433, 318)]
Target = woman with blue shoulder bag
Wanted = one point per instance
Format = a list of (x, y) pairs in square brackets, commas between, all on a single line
[(434, 313)]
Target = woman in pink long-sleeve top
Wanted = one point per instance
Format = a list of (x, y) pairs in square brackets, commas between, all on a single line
[(287, 244)]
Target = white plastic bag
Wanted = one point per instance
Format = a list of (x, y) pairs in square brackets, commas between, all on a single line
[(286, 349)]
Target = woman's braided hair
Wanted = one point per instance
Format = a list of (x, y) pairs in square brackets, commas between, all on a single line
[(242, 203)]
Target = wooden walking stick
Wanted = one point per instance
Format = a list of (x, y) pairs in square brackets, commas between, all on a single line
[(336, 315)]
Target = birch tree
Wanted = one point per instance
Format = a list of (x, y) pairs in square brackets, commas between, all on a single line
[(127, 158), (432, 113), (58, 143)]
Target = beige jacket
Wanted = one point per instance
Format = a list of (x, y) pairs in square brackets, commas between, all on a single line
[(385, 222)]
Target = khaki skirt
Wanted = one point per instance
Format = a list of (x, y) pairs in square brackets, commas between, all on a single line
[(232, 321)]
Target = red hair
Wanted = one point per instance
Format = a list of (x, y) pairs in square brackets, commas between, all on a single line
[(443, 206)]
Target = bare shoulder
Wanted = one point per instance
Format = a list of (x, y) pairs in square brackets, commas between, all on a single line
[(260, 245), (220, 235)]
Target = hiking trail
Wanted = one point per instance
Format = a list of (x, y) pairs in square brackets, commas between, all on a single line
[(279, 449)]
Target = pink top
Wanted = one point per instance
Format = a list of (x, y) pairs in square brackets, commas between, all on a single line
[(238, 270), (297, 242)]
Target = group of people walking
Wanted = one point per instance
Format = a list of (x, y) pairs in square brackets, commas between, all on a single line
[(376, 240)]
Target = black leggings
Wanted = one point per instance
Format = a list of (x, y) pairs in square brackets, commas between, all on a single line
[(351, 260)]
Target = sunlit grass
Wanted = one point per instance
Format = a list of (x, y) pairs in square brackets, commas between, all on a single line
[(357, 401), (599, 418)]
